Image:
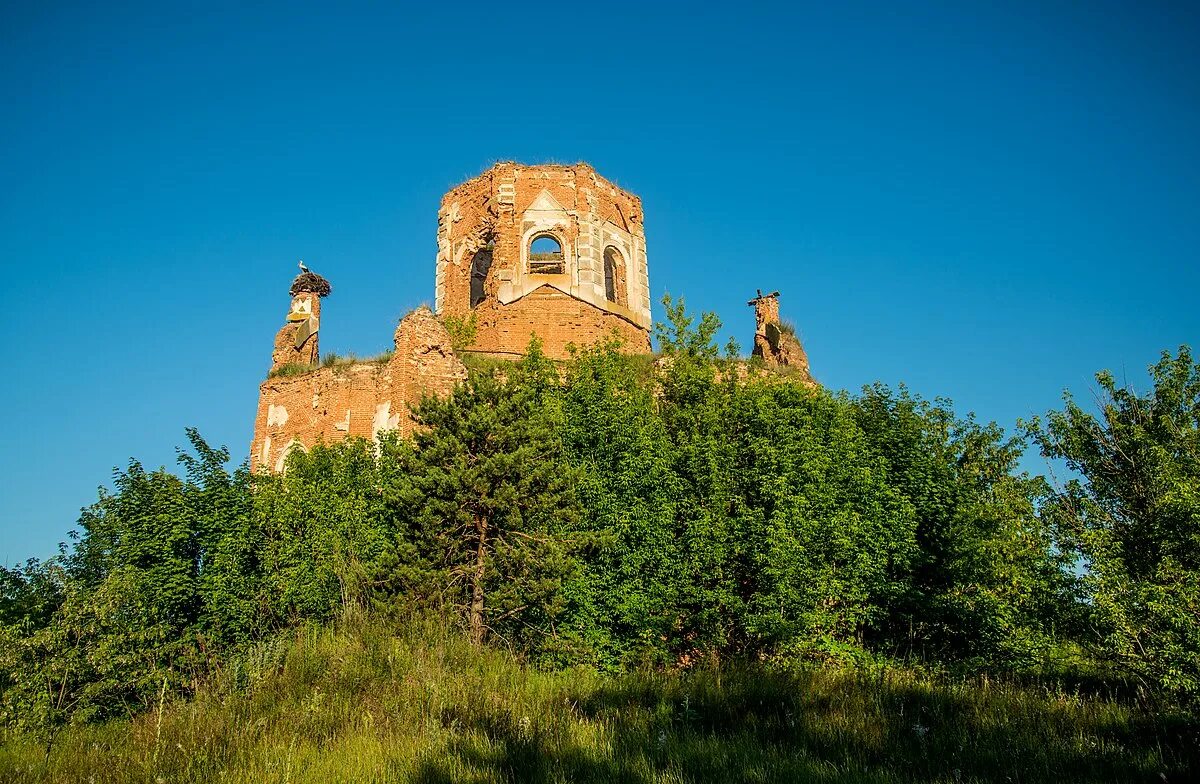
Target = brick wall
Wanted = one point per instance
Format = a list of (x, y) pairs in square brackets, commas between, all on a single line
[(498, 214), (329, 404), (557, 319)]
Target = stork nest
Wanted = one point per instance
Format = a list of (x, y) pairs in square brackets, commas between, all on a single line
[(312, 283)]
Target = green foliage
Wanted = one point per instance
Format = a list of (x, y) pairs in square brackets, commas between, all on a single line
[(495, 497), (136, 599), (630, 514), (321, 525), (291, 369), (372, 702), (483, 363), (1133, 518), (462, 330), (822, 540), (677, 338), (986, 583), (341, 361)]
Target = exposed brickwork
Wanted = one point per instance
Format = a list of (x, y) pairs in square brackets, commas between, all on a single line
[(304, 313), (556, 318), (775, 343), (332, 403), (485, 229)]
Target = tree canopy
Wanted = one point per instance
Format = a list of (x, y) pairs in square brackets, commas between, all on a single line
[(615, 513)]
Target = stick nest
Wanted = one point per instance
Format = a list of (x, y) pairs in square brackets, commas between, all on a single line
[(312, 283)]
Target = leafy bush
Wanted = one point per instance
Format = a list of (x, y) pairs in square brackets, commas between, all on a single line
[(462, 330), (618, 514), (1133, 519)]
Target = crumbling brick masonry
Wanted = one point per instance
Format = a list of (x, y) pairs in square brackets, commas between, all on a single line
[(555, 252)]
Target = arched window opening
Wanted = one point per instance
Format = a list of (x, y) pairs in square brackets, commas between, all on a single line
[(481, 262), (546, 256), (614, 276), (293, 446)]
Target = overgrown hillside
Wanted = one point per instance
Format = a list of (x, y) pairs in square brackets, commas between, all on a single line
[(686, 538), (371, 703)]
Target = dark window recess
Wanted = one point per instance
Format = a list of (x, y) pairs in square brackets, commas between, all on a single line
[(614, 276), (481, 262)]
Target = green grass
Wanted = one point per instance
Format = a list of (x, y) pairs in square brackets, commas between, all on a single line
[(342, 361), (338, 362), (291, 369), (417, 703)]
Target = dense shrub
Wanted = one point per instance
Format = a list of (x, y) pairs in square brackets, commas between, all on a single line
[(1133, 519), (607, 513)]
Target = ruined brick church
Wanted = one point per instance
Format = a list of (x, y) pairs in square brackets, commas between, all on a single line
[(553, 251)]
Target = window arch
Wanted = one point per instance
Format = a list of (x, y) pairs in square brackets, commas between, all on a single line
[(546, 255), (614, 276), (293, 445)]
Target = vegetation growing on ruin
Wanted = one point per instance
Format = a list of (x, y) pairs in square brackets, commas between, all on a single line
[(673, 573), (291, 369), (338, 362), (334, 360), (477, 363), (462, 330)]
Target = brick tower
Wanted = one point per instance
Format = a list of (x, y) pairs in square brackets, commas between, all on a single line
[(775, 340), (553, 251), (296, 341)]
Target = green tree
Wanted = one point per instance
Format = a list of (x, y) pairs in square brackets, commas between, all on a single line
[(135, 601), (622, 606), (320, 531), (821, 539), (986, 583), (1133, 518), (495, 494)]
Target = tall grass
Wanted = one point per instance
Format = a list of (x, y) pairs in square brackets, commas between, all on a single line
[(373, 703)]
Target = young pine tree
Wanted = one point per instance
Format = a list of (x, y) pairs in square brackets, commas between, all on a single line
[(494, 493)]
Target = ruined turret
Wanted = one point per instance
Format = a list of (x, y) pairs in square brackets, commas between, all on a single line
[(296, 341), (553, 251), (775, 341)]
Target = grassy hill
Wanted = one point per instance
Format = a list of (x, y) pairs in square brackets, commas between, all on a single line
[(373, 702)]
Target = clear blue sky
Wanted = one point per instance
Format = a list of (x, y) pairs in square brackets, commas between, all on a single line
[(987, 202)]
